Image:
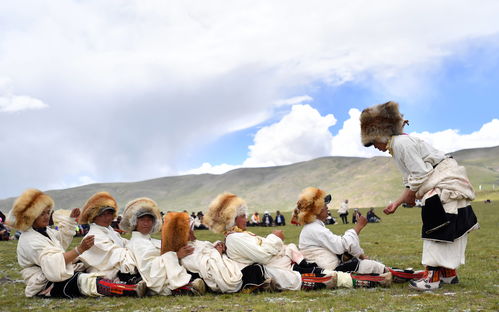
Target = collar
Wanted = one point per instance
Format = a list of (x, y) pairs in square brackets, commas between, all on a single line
[(140, 235), (236, 229)]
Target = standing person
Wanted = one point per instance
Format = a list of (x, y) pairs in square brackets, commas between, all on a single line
[(47, 268), (279, 219), (162, 273), (343, 211), (434, 178)]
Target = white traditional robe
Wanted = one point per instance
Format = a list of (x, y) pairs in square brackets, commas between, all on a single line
[(162, 273), (42, 259), (318, 244), (220, 273), (277, 258), (417, 159), (109, 253)]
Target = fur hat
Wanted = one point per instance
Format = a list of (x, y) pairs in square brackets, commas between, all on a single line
[(380, 122), (175, 231), (94, 207), (27, 208), (138, 208), (310, 204), (222, 212)]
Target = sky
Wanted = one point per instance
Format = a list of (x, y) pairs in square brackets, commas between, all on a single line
[(117, 91)]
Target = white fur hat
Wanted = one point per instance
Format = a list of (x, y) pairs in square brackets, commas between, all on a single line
[(138, 208), (27, 208), (223, 211)]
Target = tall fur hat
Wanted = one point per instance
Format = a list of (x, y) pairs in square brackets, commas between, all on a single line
[(310, 204), (94, 205), (380, 122), (223, 211), (27, 208), (138, 208), (175, 231)]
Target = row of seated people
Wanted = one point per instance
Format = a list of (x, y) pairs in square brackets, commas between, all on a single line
[(106, 264)]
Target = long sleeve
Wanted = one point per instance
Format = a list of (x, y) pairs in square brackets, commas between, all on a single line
[(248, 249)]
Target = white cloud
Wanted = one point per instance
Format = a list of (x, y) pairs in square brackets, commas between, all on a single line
[(451, 140), (300, 135), (17, 103), (134, 86), (293, 101), (208, 168)]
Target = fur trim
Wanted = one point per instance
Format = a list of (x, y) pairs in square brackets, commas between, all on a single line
[(137, 207), (310, 204), (27, 208), (175, 231), (380, 122), (222, 212), (94, 204)]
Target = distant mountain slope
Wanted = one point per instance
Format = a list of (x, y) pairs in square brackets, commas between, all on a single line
[(365, 182)]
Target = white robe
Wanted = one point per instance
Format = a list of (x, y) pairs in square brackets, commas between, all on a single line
[(220, 273), (270, 251), (162, 273), (109, 253), (42, 259), (318, 244), (416, 160)]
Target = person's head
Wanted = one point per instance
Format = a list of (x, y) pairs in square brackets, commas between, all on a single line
[(277, 213), (32, 208), (101, 209), (312, 204), (346, 201), (226, 211), (142, 215), (379, 123)]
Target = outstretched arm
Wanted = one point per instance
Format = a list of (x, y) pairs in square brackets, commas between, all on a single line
[(407, 197)]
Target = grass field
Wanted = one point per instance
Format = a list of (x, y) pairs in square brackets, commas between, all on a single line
[(395, 241)]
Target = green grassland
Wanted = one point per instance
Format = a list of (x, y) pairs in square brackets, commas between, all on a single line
[(395, 241)]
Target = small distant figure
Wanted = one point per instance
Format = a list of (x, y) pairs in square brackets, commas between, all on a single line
[(487, 201), (330, 219), (4, 231), (279, 219), (198, 221), (255, 219), (267, 219), (116, 225), (343, 211), (372, 217), (294, 217), (356, 214)]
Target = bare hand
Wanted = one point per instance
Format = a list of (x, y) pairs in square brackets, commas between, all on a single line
[(391, 208), (185, 251), (220, 247), (363, 257), (361, 223), (278, 233), (86, 243), (75, 213)]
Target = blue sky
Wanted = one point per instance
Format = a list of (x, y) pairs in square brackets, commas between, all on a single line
[(108, 91)]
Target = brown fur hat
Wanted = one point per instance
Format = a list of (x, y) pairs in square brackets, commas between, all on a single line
[(27, 208), (223, 211), (94, 204), (380, 122), (175, 231), (137, 208), (310, 204)]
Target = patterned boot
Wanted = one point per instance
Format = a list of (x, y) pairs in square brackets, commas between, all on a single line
[(402, 276), (448, 276), (111, 288), (313, 281), (430, 280), (371, 280)]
